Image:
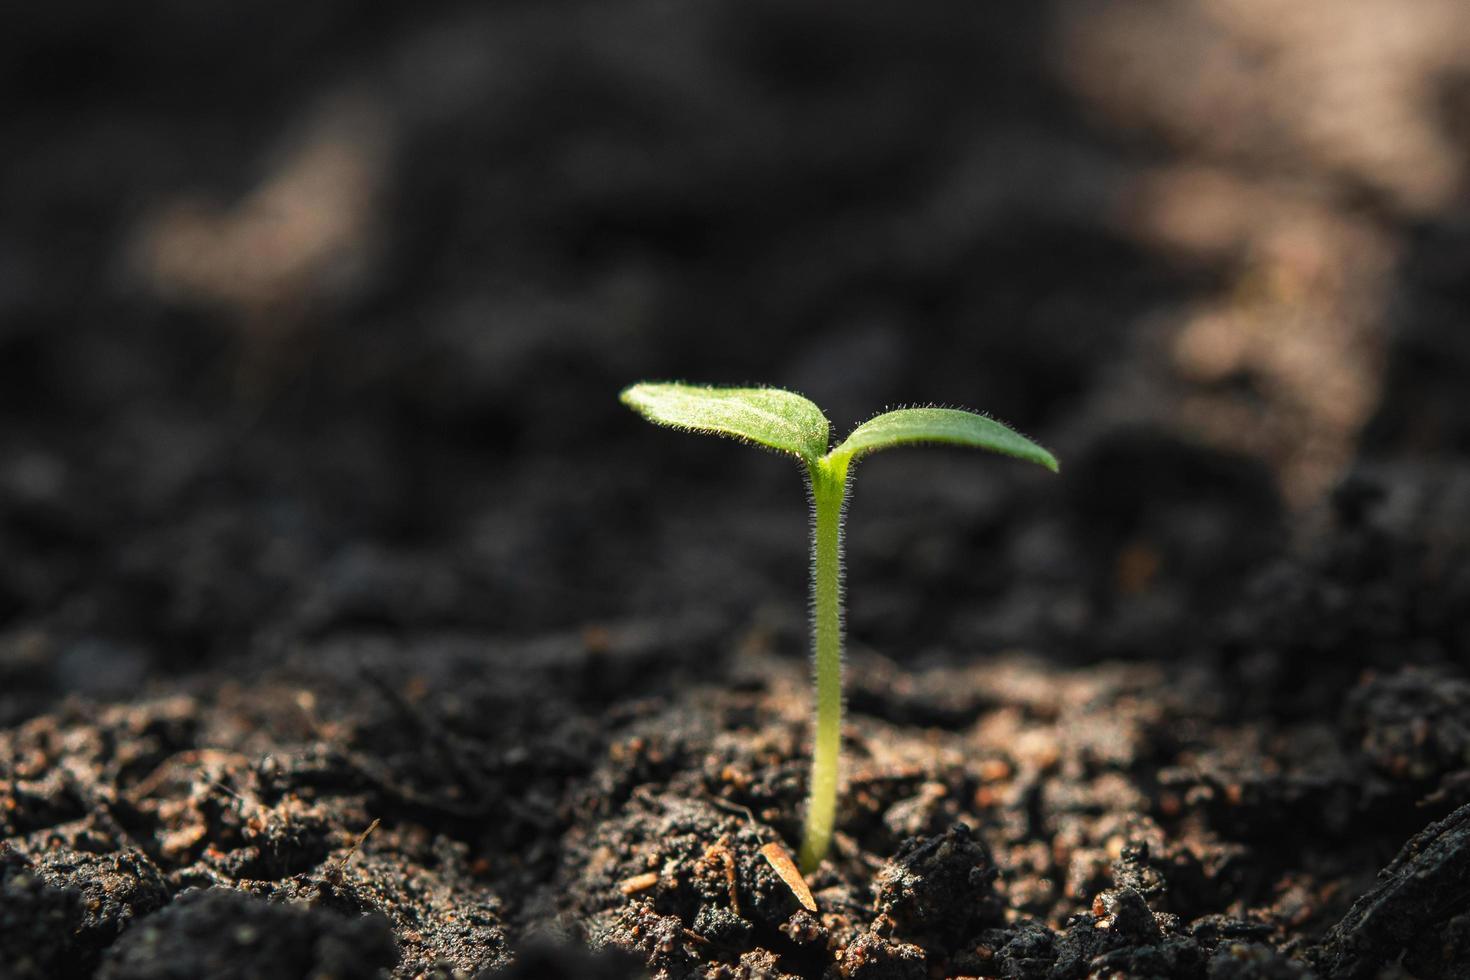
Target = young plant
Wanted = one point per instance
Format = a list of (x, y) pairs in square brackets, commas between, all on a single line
[(788, 423)]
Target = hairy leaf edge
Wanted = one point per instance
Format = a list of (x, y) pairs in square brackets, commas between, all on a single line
[(1047, 459), (628, 398)]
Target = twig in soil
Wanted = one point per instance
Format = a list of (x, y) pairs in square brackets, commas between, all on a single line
[(638, 883), (150, 783), (335, 869), (220, 785), (741, 809), (790, 424), (357, 843), (721, 849)]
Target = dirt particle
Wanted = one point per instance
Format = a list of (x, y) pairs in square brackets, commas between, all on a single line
[(940, 888), (217, 932), (870, 957)]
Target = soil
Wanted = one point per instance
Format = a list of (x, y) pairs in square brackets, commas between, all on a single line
[(350, 628)]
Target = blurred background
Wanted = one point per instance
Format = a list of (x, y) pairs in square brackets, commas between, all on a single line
[(313, 317)]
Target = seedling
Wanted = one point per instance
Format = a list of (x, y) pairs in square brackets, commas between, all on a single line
[(788, 423)]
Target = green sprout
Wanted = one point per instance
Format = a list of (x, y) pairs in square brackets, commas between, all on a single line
[(788, 423)]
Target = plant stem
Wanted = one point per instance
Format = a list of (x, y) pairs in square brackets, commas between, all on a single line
[(829, 492)]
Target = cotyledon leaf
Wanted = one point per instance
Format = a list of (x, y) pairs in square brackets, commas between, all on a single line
[(780, 420), (943, 425)]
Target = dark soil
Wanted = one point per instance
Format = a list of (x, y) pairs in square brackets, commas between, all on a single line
[(350, 628)]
